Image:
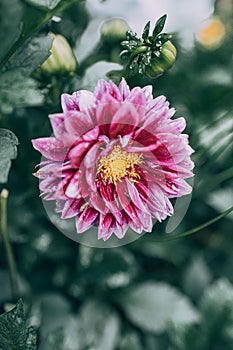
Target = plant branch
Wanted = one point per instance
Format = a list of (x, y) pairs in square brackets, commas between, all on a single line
[(172, 237), (6, 243)]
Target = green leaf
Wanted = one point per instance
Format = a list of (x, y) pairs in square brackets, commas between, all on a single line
[(18, 90), (159, 25), (152, 305), (102, 324), (32, 54), (197, 276), (10, 24), (55, 340), (185, 337), (8, 151), (146, 31), (47, 4), (14, 333), (31, 20), (217, 306)]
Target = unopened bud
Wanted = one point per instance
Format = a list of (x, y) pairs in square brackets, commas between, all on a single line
[(61, 59), (159, 64), (114, 30)]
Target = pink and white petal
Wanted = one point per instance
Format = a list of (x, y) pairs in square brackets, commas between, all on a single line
[(86, 219), (51, 148), (135, 197), (77, 153), (120, 230), (71, 208), (57, 122), (104, 226), (78, 123), (147, 90), (72, 190), (124, 121), (91, 158), (78, 101), (124, 89), (100, 89), (97, 203), (106, 109), (125, 202)]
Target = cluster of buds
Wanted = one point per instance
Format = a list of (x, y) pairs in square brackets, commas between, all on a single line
[(152, 54)]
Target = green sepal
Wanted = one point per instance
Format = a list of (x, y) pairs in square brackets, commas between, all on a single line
[(146, 31), (159, 25)]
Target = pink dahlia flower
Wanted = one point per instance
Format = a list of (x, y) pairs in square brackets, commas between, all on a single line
[(115, 160)]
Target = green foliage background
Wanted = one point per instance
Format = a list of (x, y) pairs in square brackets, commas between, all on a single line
[(148, 295)]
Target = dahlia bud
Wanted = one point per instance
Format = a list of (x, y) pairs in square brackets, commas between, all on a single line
[(159, 64), (61, 59), (114, 30), (152, 54)]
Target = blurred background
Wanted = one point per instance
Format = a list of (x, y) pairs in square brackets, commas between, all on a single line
[(150, 295)]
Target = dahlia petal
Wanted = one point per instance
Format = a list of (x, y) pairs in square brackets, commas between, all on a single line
[(147, 90), (77, 123), (104, 113), (86, 99), (97, 203), (135, 197), (78, 101), (90, 160), (73, 188), (57, 122), (120, 230), (77, 153), (124, 89), (86, 219), (71, 208), (104, 88), (126, 204), (104, 227), (51, 148), (123, 121), (175, 187), (146, 220), (91, 135), (137, 97)]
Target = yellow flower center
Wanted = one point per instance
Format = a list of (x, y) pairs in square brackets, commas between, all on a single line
[(119, 164)]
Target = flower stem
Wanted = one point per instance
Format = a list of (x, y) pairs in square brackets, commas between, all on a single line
[(6, 243), (172, 237)]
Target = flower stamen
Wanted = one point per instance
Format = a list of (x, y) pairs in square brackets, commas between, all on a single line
[(119, 164)]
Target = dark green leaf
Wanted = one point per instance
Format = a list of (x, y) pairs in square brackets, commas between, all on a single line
[(217, 306), (47, 4), (197, 276), (152, 305), (55, 340), (159, 25), (146, 31), (185, 337), (32, 19), (102, 324), (8, 151), (10, 24), (18, 90), (32, 54), (14, 333)]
